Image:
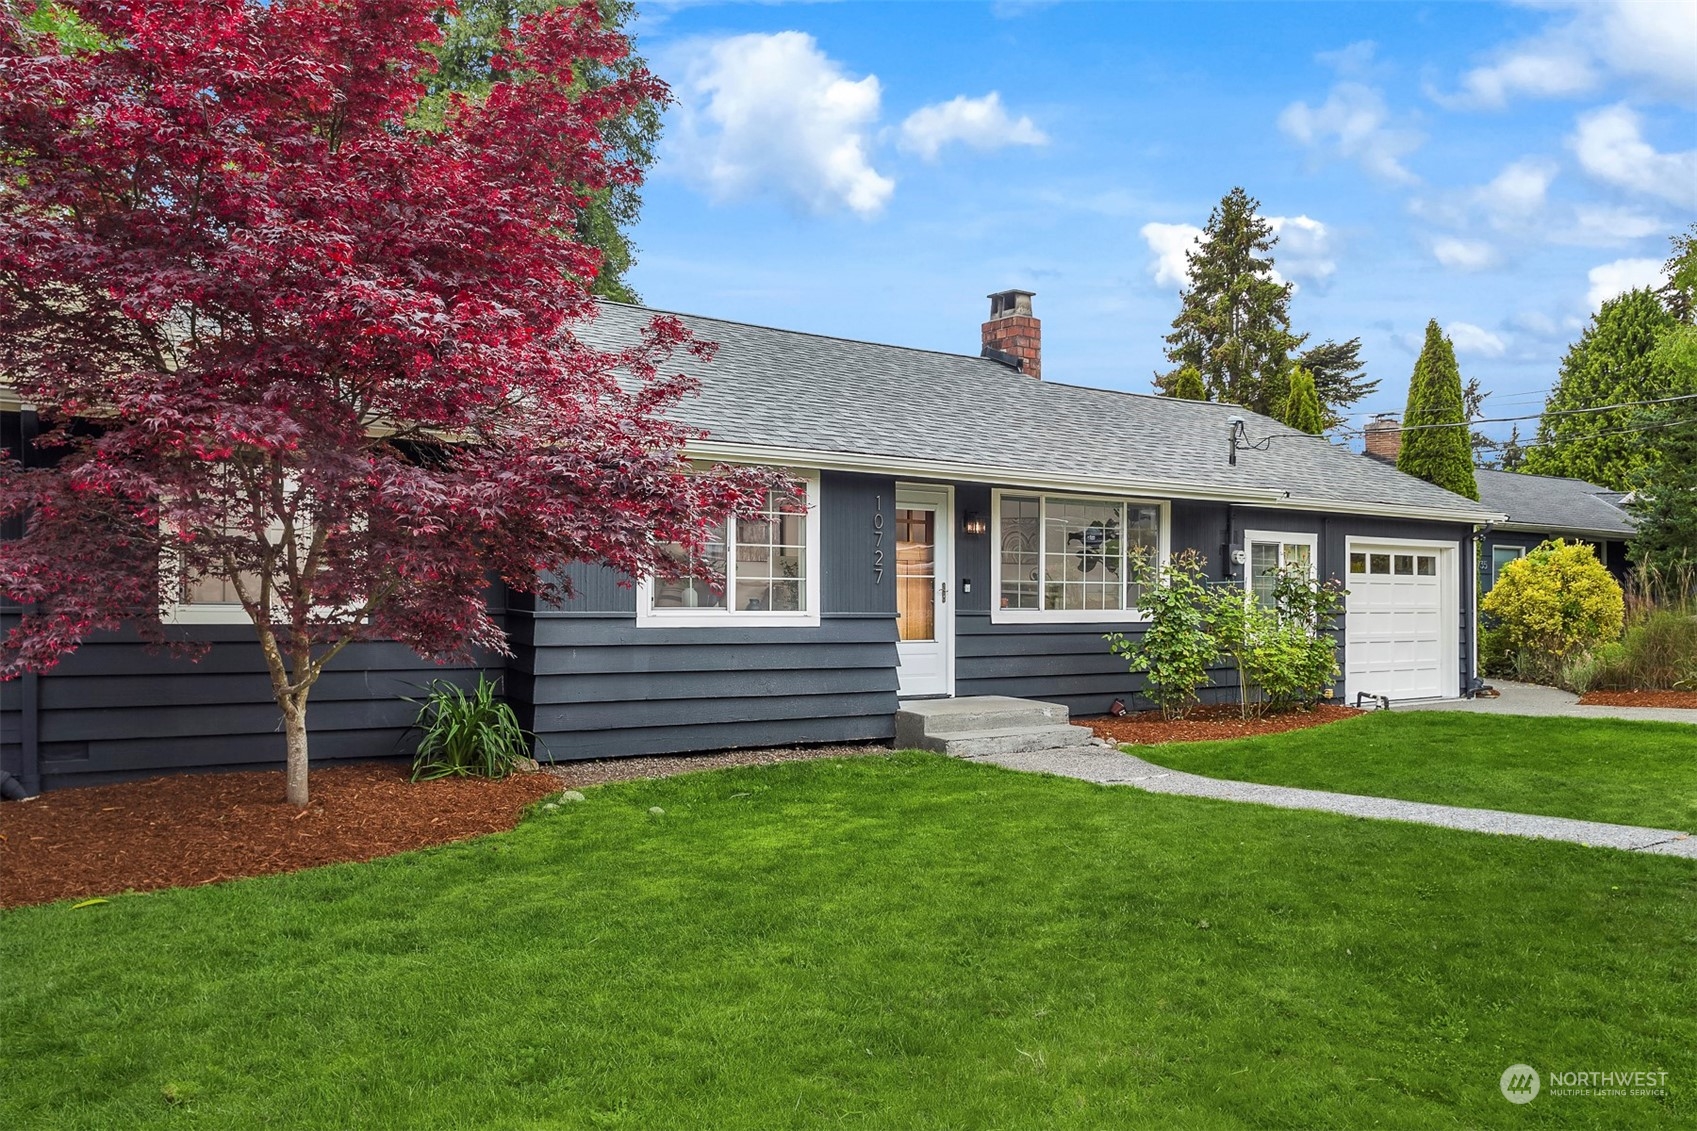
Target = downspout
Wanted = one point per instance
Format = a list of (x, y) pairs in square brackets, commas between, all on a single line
[(29, 685)]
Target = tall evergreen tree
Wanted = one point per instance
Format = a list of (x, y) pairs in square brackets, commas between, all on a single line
[(1435, 443), (1302, 404), (1613, 363), (1665, 503), (1234, 323), (467, 64), (1187, 385), (1340, 378)]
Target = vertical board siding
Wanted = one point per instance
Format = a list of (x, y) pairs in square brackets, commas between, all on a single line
[(592, 684)]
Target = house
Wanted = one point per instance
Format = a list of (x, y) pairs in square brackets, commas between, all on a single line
[(1542, 507), (967, 532), (1538, 508)]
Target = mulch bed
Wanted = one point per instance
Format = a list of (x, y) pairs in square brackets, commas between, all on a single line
[(1148, 728), (188, 829), (1685, 699)]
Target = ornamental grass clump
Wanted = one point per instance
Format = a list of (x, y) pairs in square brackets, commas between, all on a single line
[(467, 735), (1549, 608)]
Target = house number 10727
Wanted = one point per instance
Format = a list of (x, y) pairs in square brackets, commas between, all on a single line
[(878, 543)]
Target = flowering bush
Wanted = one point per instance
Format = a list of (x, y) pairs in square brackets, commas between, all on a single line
[(1556, 603)]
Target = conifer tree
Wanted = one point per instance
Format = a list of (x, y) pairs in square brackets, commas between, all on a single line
[(1665, 501), (1302, 404), (1187, 385), (1614, 363), (1234, 324), (1340, 377), (1435, 443)]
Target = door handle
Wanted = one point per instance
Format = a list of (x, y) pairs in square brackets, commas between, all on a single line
[(945, 592)]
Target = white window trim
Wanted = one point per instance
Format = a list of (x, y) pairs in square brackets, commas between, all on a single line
[(1282, 537), (647, 616), (174, 610), (999, 615)]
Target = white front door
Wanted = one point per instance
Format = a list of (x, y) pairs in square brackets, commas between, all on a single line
[(924, 566), (1403, 621)]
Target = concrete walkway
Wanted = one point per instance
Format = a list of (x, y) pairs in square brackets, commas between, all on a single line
[(1107, 766), (1548, 702)]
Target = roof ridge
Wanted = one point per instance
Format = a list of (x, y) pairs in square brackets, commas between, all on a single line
[(915, 349), (798, 333)]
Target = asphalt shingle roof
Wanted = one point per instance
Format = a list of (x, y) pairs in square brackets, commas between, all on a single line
[(793, 390), (1545, 502)]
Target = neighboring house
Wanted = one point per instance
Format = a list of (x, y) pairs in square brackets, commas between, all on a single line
[(1542, 507), (967, 534)]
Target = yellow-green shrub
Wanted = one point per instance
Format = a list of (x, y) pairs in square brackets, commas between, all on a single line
[(1557, 602)]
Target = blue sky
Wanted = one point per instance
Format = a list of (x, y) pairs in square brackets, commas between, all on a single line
[(874, 170)]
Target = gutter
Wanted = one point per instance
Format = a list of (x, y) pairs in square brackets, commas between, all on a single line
[(1532, 528)]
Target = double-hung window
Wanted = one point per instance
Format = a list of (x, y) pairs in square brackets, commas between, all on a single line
[(1065, 557), (765, 569), (1268, 552)]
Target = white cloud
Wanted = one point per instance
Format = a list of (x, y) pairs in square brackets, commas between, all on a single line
[(1463, 255), (982, 123), (1470, 339), (1610, 280), (1306, 248), (1542, 69), (1604, 225), (1354, 123), (1610, 146), (1516, 195), (1170, 243), (772, 113), (1652, 43)]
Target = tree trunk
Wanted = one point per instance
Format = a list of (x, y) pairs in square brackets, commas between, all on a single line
[(294, 732)]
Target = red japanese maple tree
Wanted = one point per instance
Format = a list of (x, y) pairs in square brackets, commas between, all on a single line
[(282, 339)]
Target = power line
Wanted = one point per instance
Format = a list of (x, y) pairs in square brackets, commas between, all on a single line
[(1656, 427), (1535, 415)]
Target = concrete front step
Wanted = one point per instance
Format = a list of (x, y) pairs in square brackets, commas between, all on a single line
[(1016, 740), (984, 725), (921, 718)]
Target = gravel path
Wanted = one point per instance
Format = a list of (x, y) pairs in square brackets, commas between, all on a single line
[(1111, 767), (576, 775)]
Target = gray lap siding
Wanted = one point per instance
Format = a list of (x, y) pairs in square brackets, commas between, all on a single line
[(593, 684), (1070, 663)]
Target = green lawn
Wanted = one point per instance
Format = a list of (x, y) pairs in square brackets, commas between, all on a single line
[(1594, 769), (885, 942)]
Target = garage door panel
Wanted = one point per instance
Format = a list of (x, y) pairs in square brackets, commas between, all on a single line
[(1399, 627)]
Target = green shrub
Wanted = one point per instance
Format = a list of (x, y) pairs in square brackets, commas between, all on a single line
[(467, 735), (1556, 603), (1174, 652), (1285, 655)]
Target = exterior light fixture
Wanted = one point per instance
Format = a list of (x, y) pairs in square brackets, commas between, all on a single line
[(972, 522)]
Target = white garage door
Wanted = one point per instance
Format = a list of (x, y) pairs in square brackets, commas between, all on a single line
[(1403, 620)]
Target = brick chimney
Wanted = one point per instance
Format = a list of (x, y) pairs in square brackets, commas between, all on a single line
[(1384, 438), (1012, 332)]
